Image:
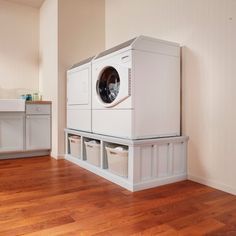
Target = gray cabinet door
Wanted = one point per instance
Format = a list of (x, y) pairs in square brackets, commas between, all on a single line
[(11, 132), (38, 132)]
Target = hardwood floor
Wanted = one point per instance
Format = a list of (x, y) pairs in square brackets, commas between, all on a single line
[(42, 196)]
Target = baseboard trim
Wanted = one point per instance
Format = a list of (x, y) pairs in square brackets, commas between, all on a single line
[(213, 184), (23, 154), (57, 156), (159, 182)]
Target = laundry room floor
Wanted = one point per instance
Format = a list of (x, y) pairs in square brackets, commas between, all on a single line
[(43, 196)]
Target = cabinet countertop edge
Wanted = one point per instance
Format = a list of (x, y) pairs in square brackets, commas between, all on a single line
[(38, 102)]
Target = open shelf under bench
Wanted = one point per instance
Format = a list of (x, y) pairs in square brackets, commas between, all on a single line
[(151, 162)]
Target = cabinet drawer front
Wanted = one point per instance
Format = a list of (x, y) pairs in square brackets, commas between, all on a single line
[(38, 109)]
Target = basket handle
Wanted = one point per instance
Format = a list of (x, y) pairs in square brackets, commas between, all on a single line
[(89, 146), (114, 153)]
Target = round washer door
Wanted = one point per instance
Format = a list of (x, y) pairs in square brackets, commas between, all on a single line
[(108, 85)]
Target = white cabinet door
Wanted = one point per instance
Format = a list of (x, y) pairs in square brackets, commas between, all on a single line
[(38, 132), (11, 132)]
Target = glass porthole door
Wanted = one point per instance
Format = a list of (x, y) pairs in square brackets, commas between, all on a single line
[(108, 85)]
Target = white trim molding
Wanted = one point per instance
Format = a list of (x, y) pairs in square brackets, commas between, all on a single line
[(57, 156), (213, 184)]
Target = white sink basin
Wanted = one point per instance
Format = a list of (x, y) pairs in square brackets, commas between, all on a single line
[(12, 105)]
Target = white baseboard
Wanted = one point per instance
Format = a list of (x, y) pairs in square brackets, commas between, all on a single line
[(23, 154), (159, 182), (213, 184), (57, 156)]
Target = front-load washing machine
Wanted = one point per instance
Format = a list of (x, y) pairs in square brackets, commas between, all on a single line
[(79, 96), (136, 89)]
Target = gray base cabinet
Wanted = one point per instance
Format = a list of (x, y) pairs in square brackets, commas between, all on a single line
[(23, 133), (38, 132), (11, 131), (38, 126)]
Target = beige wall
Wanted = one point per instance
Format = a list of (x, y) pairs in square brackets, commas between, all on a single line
[(48, 79), (206, 30), (68, 34), (19, 41)]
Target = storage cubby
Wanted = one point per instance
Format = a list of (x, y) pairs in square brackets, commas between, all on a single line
[(84, 152), (110, 145), (93, 151), (136, 164), (74, 146), (116, 158)]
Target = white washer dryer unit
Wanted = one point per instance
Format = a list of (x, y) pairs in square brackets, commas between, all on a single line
[(136, 89), (79, 96)]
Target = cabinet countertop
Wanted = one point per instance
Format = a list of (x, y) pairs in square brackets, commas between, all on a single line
[(38, 102)]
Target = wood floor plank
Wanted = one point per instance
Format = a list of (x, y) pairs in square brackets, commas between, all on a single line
[(156, 230), (43, 196), (211, 211), (202, 228)]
